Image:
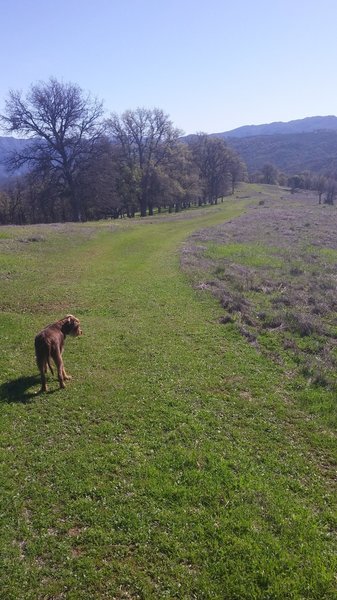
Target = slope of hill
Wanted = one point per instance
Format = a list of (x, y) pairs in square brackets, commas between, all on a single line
[(307, 125), (291, 153), (305, 144), (7, 146)]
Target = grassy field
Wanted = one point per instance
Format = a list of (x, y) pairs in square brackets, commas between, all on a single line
[(182, 461)]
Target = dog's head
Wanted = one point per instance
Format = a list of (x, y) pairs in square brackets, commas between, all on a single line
[(71, 326)]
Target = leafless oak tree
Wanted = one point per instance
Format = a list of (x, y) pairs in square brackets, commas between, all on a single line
[(62, 126), (146, 138), (214, 160)]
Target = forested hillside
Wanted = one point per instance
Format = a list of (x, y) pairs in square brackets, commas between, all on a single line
[(308, 144), (291, 153)]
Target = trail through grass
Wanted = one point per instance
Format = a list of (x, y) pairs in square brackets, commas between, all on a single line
[(175, 464)]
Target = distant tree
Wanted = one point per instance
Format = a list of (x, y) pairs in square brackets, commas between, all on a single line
[(282, 178), (63, 126), (330, 191), (145, 140), (213, 158), (15, 202), (320, 184), (255, 177), (237, 170), (295, 183), (307, 180), (177, 186), (270, 174), (4, 208), (186, 174)]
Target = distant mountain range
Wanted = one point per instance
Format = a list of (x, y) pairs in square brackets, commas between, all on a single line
[(295, 146), (305, 144), (291, 153), (307, 125)]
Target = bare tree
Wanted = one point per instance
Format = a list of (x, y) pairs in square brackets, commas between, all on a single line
[(176, 185), (98, 184), (270, 174), (237, 170), (295, 183), (330, 190), (213, 158), (62, 125), (145, 138)]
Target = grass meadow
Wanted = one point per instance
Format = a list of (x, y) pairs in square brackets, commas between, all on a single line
[(191, 456)]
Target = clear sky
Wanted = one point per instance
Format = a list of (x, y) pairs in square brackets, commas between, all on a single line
[(212, 65)]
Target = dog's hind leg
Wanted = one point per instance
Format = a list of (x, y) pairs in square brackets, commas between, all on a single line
[(42, 366), (65, 376), (57, 358)]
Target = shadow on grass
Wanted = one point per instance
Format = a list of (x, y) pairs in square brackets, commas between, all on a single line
[(18, 390)]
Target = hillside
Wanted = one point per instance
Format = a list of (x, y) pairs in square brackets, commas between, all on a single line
[(307, 125), (299, 145), (7, 146), (291, 153), (304, 144)]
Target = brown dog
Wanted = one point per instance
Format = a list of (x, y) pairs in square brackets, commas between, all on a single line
[(49, 344)]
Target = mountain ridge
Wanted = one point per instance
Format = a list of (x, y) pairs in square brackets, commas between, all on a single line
[(308, 144), (291, 153), (306, 125)]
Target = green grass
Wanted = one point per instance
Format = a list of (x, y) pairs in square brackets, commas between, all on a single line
[(175, 464), (253, 255)]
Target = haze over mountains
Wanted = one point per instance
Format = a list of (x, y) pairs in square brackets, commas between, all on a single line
[(293, 147)]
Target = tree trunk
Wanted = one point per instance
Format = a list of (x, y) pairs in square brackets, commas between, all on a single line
[(142, 206)]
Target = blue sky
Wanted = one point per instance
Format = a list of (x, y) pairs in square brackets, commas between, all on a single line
[(212, 65)]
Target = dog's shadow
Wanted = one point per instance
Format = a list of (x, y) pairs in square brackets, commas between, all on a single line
[(20, 390)]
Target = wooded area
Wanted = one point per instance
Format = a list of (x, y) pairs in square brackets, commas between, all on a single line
[(74, 164), (78, 165)]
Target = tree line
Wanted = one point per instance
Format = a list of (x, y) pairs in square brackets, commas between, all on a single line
[(324, 184), (77, 165)]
